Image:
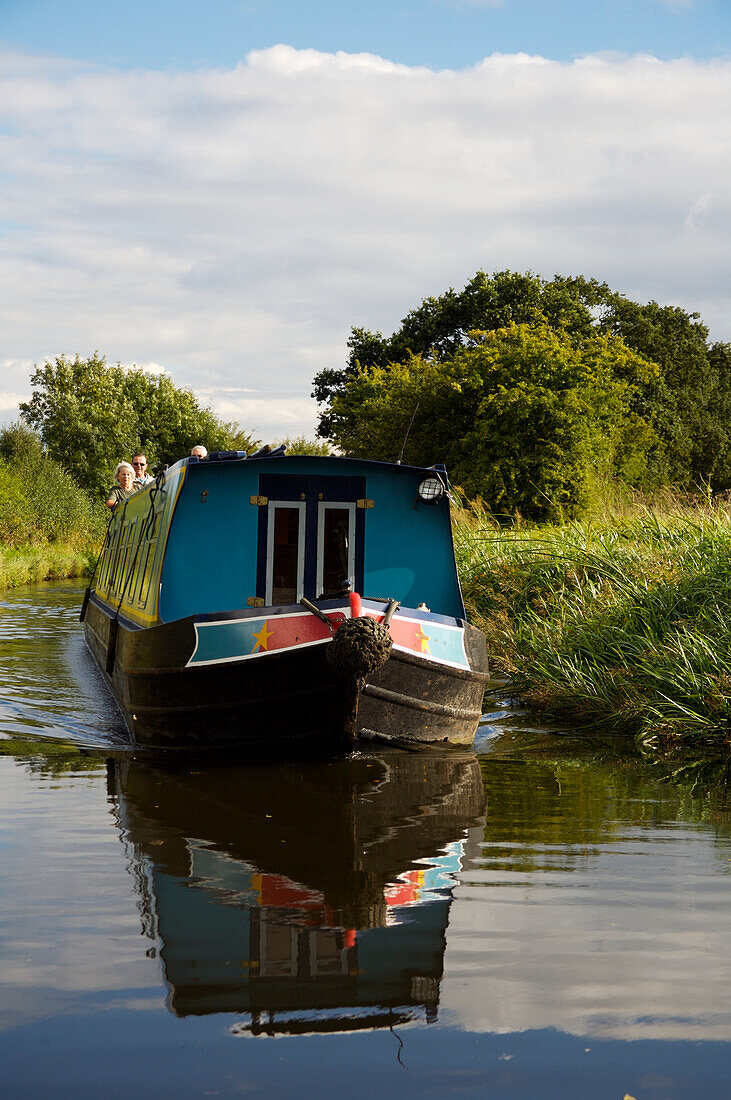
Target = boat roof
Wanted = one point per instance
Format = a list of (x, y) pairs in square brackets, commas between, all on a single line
[(216, 457)]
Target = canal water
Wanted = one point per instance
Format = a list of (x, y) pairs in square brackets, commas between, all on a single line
[(543, 918)]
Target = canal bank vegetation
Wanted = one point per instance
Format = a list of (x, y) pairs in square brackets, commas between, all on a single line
[(610, 626), (49, 526)]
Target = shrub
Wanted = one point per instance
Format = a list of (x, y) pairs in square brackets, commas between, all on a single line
[(39, 500)]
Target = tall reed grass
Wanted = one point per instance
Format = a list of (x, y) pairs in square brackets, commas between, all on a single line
[(622, 626)]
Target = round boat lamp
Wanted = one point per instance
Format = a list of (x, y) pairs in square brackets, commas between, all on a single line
[(431, 489)]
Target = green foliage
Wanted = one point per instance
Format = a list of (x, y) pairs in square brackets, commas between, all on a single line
[(672, 425), (667, 335), (36, 562), (523, 416), (91, 416), (625, 628), (374, 412), (300, 445), (440, 327), (695, 379), (553, 414), (39, 500)]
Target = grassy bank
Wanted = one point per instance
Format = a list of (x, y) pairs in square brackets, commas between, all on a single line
[(21, 565), (611, 625)]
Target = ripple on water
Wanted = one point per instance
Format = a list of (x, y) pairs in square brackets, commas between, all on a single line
[(49, 685)]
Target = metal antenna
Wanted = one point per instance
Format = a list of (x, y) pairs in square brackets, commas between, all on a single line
[(401, 452)]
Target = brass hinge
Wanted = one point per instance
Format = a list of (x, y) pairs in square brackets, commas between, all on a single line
[(255, 601), (365, 503), (258, 501)]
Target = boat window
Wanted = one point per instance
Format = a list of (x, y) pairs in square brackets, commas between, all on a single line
[(285, 552), (127, 557), (104, 566), (118, 559), (147, 559), (113, 553), (335, 548), (107, 564)]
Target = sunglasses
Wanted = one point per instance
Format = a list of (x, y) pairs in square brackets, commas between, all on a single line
[(142, 464)]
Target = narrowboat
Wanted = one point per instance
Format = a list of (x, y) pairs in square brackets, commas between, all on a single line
[(261, 601)]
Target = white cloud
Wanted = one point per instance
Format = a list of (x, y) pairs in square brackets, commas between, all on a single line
[(229, 226), (9, 401)]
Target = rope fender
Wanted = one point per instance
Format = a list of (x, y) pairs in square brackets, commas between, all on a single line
[(359, 648)]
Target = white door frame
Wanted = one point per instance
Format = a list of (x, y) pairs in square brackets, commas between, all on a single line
[(343, 505), (302, 510)]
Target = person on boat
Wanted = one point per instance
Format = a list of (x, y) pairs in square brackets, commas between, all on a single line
[(125, 486), (139, 464), (199, 451)]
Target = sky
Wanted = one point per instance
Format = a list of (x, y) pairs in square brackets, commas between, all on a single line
[(223, 190)]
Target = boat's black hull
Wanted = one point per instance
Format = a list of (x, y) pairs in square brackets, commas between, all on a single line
[(422, 700), (282, 698)]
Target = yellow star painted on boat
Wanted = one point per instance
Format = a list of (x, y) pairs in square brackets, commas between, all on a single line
[(423, 640), (262, 638)]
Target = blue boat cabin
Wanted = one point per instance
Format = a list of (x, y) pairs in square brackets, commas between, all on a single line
[(239, 533)]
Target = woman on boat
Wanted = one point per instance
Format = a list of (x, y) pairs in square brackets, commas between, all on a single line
[(124, 488)]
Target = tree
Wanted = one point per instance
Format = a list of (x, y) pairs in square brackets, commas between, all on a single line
[(440, 326), (414, 410), (718, 461), (555, 416), (683, 413), (300, 445), (686, 404), (91, 415), (524, 416)]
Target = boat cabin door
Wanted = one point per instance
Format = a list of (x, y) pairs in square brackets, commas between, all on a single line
[(311, 536), (285, 552), (335, 548)]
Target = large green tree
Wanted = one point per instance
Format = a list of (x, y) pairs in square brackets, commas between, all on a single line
[(91, 415), (440, 326), (688, 404), (524, 416)]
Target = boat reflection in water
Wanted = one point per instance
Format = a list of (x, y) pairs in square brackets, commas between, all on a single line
[(311, 897)]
